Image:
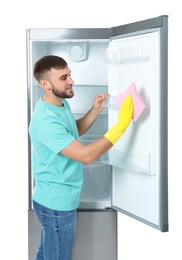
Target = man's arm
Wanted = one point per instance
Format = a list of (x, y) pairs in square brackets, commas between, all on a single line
[(84, 123), (89, 153)]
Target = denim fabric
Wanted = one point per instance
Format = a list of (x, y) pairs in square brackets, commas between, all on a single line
[(57, 233)]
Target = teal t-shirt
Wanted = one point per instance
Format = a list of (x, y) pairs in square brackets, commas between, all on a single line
[(58, 179)]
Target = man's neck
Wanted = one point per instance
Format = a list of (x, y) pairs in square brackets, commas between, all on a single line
[(53, 100)]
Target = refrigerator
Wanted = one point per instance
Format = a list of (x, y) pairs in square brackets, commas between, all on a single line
[(132, 177)]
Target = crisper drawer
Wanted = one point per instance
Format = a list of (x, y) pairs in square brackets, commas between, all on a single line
[(96, 190)]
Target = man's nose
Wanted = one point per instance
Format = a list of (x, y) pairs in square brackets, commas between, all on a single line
[(70, 80)]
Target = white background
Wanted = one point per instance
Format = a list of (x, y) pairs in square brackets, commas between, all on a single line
[(136, 240)]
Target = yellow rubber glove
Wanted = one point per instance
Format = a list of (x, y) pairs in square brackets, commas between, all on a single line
[(124, 118)]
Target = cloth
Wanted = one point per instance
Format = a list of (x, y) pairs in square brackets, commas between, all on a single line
[(58, 178), (139, 105)]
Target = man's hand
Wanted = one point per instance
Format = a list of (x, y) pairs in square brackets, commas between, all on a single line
[(99, 102), (124, 118)]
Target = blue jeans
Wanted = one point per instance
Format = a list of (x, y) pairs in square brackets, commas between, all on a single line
[(57, 234)]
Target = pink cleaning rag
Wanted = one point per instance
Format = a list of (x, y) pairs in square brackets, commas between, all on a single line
[(139, 105)]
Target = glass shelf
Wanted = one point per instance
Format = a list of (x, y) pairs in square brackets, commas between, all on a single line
[(86, 139), (85, 110), (87, 85), (84, 97)]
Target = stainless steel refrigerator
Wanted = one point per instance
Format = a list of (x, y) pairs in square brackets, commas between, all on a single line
[(132, 177)]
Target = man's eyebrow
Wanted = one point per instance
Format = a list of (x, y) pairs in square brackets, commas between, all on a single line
[(64, 75)]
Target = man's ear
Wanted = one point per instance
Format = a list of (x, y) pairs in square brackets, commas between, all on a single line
[(44, 84)]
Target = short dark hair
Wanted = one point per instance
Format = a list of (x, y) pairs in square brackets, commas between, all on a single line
[(46, 63)]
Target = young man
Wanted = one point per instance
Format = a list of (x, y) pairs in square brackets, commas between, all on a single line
[(58, 154)]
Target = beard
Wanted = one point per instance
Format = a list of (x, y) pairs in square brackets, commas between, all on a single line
[(62, 94)]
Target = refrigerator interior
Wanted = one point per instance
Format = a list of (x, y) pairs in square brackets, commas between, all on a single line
[(90, 74)]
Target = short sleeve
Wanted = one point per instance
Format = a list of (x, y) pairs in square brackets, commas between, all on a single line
[(54, 134)]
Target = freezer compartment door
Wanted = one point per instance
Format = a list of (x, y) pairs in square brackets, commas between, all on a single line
[(96, 236), (139, 158)]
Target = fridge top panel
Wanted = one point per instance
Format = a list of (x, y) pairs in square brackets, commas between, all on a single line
[(152, 23), (53, 34)]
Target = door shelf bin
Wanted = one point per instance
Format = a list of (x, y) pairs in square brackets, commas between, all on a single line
[(127, 54), (131, 162)]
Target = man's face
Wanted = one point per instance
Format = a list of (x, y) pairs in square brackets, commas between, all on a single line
[(61, 82)]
